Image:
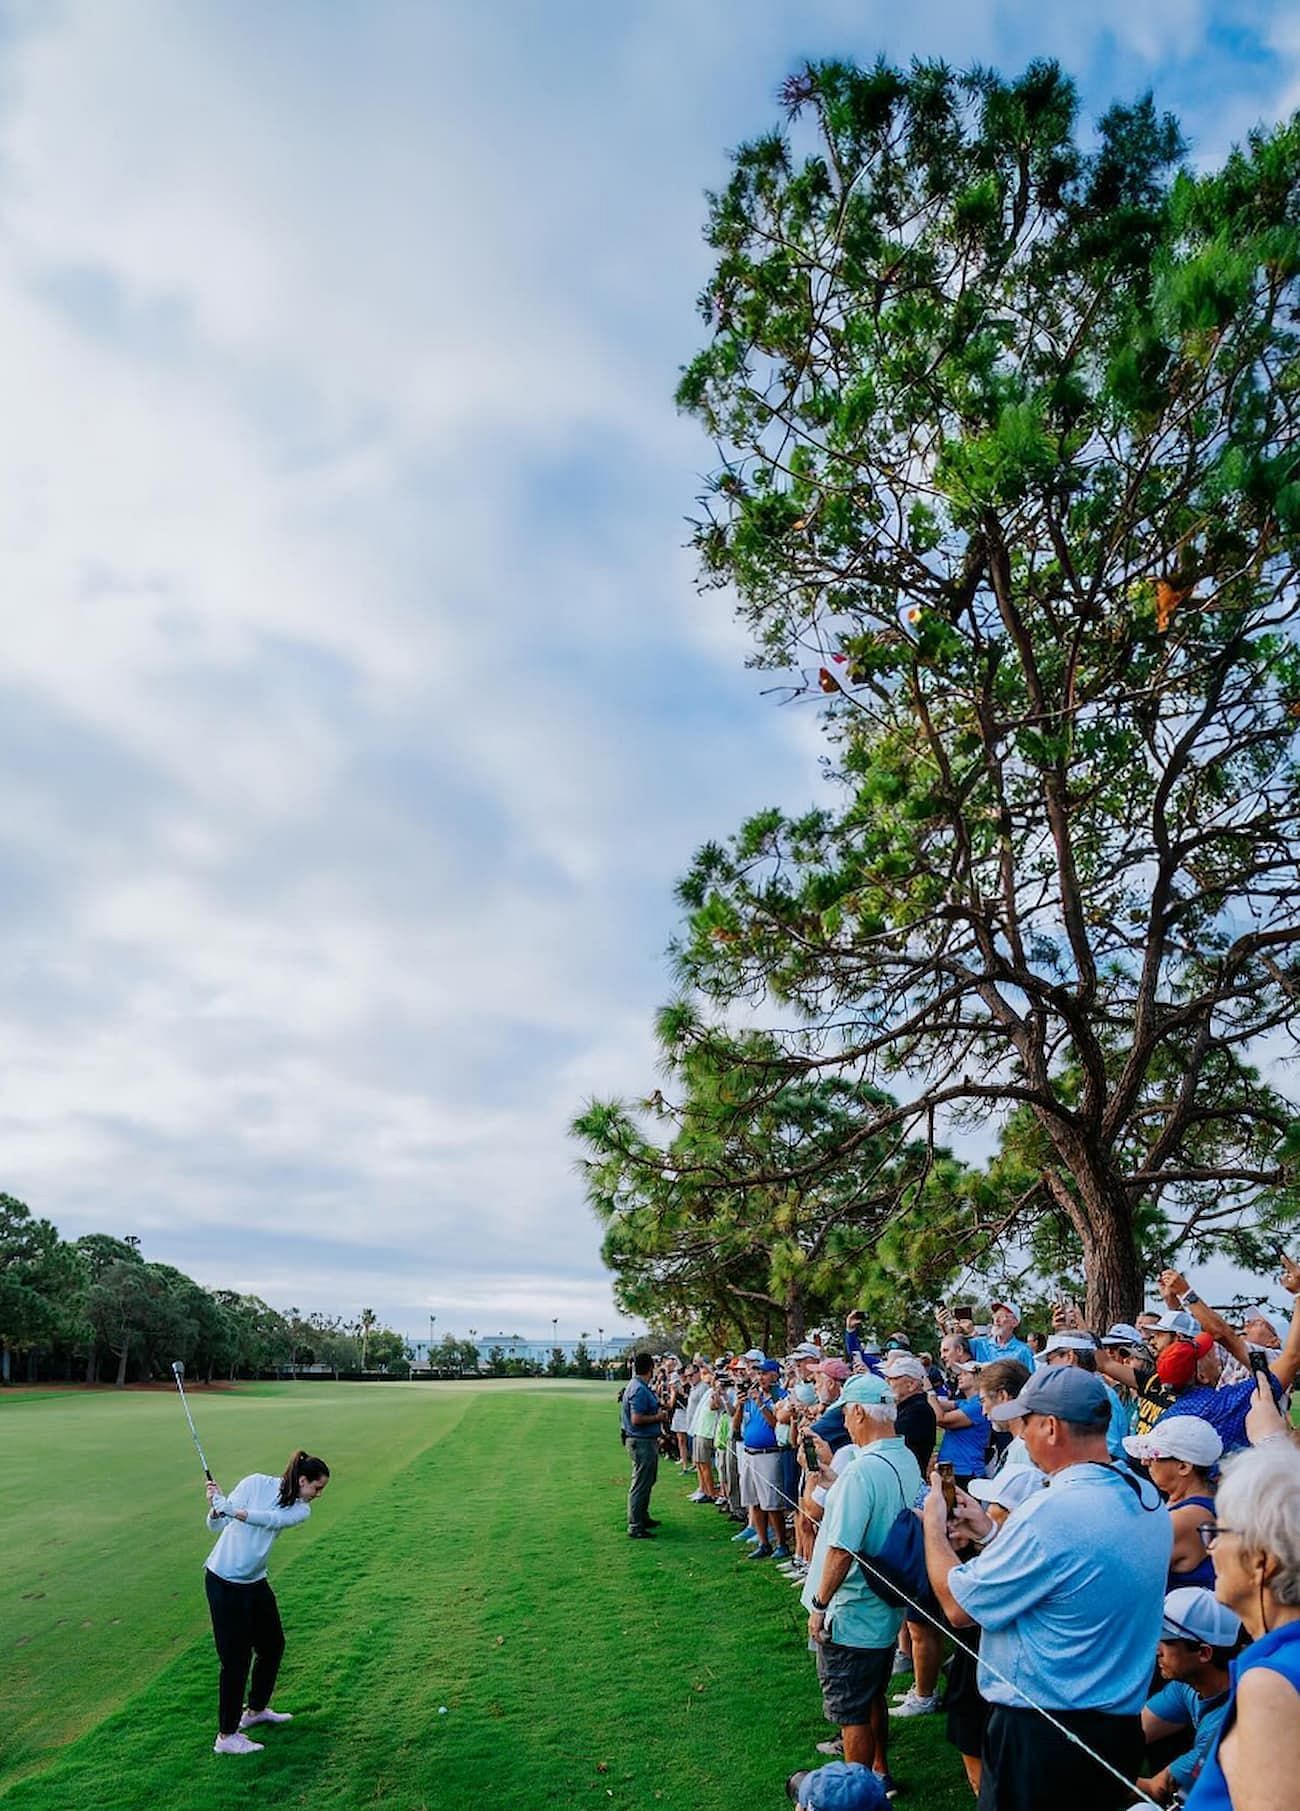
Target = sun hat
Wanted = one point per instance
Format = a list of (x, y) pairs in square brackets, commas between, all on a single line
[(866, 1389), (1069, 1342), (1123, 1333), (1011, 1487), (836, 1368), (902, 1364), (1194, 1614), (838, 1786), (1186, 1437), (1061, 1390)]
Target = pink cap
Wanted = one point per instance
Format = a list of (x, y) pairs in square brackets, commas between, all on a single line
[(836, 1368)]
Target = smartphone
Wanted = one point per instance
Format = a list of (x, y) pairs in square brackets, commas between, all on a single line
[(1259, 1363), (948, 1483), (964, 1311), (1283, 1260), (810, 1457)]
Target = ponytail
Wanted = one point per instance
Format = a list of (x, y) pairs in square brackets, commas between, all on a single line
[(302, 1465)]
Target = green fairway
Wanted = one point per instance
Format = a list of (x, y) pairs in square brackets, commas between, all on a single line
[(470, 1553)]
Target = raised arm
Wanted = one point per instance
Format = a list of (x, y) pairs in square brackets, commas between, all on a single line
[(1174, 1285)]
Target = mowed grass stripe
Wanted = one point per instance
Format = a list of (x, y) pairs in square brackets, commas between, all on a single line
[(493, 1575)]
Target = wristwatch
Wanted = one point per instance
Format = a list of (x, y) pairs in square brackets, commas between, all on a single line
[(820, 1607), (1191, 1296)]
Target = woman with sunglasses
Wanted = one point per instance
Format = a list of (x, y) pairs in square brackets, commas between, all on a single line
[(1255, 1543)]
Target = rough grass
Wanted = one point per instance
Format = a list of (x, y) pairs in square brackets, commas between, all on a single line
[(470, 1552)]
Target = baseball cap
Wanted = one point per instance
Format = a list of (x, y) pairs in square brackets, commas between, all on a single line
[(1061, 1390), (902, 1364), (1186, 1437), (1194, 1614), (898, 1342), (867, 1389), (806, 1349), (1009, 1306), (771, 1364), (1069, 1342), (834, 1367), (1013, 1484), (754, 1356), (804, 1393), (1123, 1333), (1173, 1321), (838, 1786)]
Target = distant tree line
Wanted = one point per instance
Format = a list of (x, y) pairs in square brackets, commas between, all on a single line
[(94, 1309)]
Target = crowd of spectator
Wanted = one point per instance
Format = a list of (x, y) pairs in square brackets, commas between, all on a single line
[(1080, 1547)]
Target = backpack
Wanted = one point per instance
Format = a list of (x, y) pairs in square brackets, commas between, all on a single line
[(897, 1572)]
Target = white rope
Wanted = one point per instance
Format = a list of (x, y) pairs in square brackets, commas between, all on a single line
[(922, 1615)]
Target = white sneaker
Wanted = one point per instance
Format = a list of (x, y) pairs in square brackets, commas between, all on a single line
[(699, 1496), (236, 1744), (914, 1706), (250, 1717), (834, 1746), (902, 1662)]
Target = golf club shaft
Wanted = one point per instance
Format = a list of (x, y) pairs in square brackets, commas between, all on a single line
[(193, 1430)]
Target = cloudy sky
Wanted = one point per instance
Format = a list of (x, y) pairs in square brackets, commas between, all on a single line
[(357, 711)]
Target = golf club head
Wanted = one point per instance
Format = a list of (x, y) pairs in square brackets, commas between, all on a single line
[(178, 1369)]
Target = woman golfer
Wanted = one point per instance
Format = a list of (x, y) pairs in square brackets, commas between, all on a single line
[(245, 1619)]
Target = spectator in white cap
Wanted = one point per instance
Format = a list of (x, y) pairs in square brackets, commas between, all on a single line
[(1069, 1597), (1179, 1454), (1080, 1349), (908, 1384), (1198, 1639), (1003, 1342), (1255, 1764)]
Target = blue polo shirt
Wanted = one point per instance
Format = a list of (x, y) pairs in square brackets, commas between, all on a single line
[(755, 1429), (862, 1505), (985, 1350), (1178, 1705), (1225, 1409), (1279, 1650), (1070, 1595), (966, 1448), (639, 1397)]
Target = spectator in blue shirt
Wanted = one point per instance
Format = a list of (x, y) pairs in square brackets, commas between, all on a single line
[(966, 1428), (1002, 1342), (643, 1422), (1198, 1639), (1255, 1764), (1069, 1597)]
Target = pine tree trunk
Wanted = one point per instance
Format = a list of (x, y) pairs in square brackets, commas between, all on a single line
[(1112, 1270), (121, 1364)]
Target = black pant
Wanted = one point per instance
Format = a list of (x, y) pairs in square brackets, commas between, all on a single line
[(1029, 1766), (245, 1622)]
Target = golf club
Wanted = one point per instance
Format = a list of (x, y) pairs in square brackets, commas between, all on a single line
[(178, 1372)]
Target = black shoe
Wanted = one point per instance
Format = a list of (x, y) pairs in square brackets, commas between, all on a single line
[(639, 1534), (650, 1522)]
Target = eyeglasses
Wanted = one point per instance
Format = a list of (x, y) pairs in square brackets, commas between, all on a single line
[(1210, 1532)]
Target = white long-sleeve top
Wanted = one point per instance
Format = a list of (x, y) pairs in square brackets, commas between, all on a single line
[(240, 1554)]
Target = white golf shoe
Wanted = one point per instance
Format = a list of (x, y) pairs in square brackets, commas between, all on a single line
[(236, 1744), (252, 1717)]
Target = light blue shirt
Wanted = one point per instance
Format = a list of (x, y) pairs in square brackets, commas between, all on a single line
[(1118, 1425), (985, 1350), (862, 1505), (1070, 1595), (1176, 1703)]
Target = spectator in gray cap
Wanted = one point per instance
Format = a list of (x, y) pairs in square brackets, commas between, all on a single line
[(1069, 1597)]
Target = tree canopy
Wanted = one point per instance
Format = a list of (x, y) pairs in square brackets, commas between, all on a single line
[(1008, 481)]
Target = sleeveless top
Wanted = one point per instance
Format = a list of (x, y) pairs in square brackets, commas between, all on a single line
[(1280, 1652), (1202, 1574)]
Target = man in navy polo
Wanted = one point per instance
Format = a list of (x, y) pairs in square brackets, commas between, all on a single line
[(643, 1421), (1069, 1593)]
